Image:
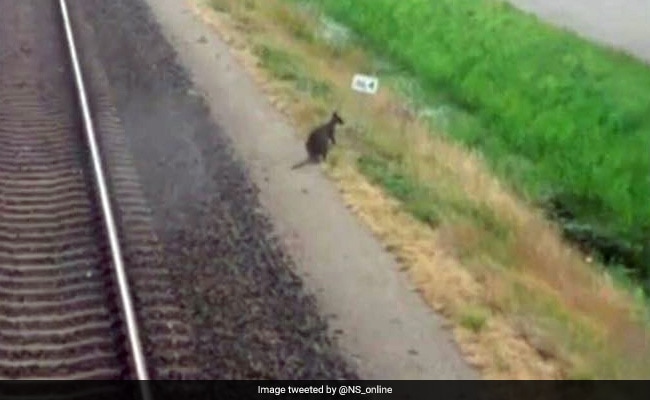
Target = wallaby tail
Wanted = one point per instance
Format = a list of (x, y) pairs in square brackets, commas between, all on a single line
[(302, 163)]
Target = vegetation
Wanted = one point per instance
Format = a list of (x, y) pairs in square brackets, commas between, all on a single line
[(523, 304), (567, 121)]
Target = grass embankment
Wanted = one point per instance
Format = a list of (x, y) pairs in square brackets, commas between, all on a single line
[(566, 121), (523, 304)]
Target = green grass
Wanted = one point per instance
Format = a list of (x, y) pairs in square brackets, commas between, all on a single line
[(285, 67), (560, 117), (474, 318), (219, 5), (417, 199), (414, 197)]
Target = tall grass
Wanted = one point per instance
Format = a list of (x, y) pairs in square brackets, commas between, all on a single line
[(564, 119)]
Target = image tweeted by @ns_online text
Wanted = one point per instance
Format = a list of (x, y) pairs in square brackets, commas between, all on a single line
[(340, 390)]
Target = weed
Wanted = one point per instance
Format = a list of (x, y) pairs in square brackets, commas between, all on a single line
[(220, 5), (474, 318), (278, 62), (285, 67), (298, 27), (414, 197)]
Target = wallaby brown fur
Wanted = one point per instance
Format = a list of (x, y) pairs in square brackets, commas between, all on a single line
[(317, 144)]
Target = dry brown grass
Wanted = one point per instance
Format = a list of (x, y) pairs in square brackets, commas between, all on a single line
[(523, 305)]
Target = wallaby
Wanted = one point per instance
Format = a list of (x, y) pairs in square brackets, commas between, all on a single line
[(317, 144)]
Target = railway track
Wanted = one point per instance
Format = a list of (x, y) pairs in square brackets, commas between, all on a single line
[(82, 291)]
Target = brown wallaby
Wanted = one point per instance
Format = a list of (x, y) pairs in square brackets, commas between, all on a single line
[(317, 144)]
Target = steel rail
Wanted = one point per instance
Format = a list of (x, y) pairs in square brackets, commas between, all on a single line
[(109, 221)]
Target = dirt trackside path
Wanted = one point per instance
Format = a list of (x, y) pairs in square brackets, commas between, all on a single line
[(621, 23), (381, 322)]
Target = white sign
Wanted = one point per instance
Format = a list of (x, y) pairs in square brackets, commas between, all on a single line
[(365, 84)]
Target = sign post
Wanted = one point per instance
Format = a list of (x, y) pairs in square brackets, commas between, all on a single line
[(364, 84)]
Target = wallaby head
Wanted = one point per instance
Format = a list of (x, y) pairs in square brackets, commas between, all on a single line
[(336, 119)]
